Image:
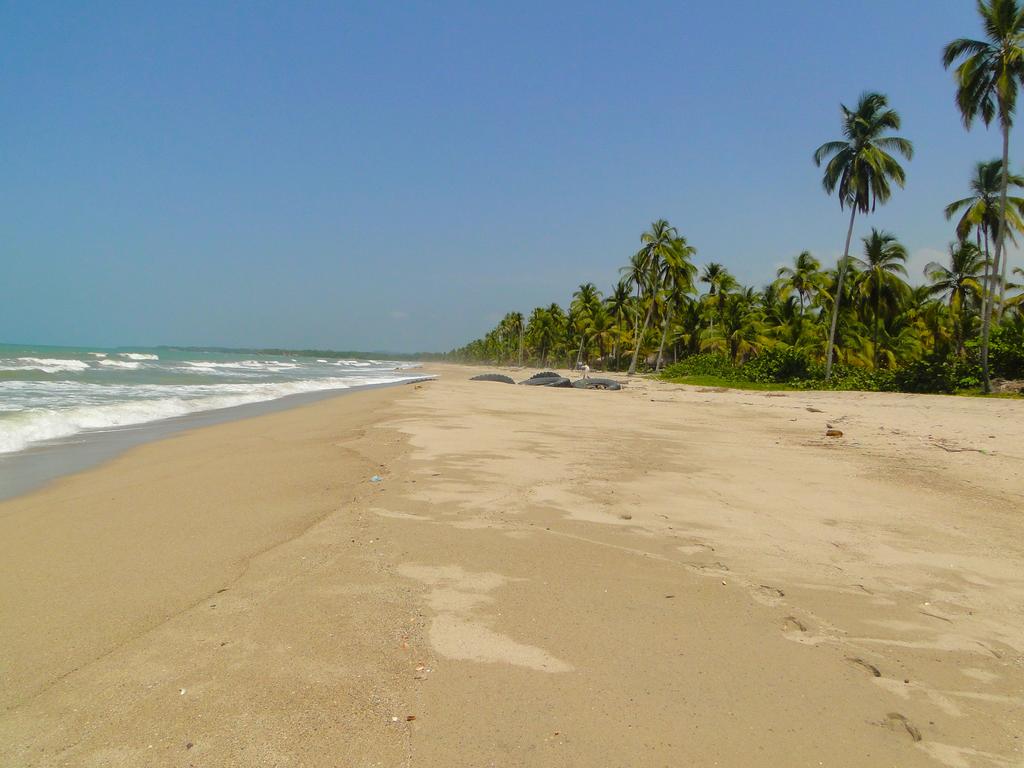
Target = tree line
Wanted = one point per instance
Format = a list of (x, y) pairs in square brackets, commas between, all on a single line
[(861, 314)]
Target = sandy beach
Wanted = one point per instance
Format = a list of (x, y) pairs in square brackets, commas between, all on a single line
[(662, 576)]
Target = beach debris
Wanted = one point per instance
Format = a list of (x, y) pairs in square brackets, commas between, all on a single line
[(626, 516), (376, 479), (181, 692), (833, 433), (410, 718), (814, 410), (496, 377), (588, 383), (189, 745), (556, 382)]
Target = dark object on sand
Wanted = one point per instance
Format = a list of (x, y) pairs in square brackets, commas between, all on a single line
[(547, 381), (545, 375), (597, 384), (493, 377)]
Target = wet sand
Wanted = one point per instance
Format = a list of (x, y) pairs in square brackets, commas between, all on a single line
[(659, 576)]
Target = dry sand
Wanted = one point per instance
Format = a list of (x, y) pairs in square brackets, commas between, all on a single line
[(662, 576)]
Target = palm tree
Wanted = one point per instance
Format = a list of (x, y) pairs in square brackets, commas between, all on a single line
[(981, 212), (861, 169), (618, 305), (804, 277), (958, 283), (881, 266), (657, 243), (741, 332), (719, 282), (1017, 302), (635, 274), (586, 301), (677, 278), (987, 80), (517, 325)]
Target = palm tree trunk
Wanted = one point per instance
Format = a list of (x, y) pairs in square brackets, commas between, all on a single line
[(878, 308), (579, 355), (836, 299), (520, 345), (664, 335), (639, 339), (986, 317)]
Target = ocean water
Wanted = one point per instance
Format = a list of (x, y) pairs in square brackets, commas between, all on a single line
[(53, 395)]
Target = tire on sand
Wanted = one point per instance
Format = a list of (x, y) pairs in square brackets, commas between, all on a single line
[(548, 381), (597, 384), (498, 377), (546, 375)]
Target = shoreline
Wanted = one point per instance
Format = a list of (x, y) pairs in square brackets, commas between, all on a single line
[(712, 564), (39, 465)]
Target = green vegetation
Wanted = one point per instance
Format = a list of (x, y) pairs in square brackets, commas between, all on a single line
[(860, 325)]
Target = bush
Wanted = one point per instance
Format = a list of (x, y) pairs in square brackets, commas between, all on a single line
[(1006, 351), (861, 379), (778, 365), (703, 365), (939, 374)]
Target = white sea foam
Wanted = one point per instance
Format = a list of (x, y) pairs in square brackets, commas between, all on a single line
[(44, 364), (256, 365), (138, 356), (21, 429), (98, 354), (120, 364)]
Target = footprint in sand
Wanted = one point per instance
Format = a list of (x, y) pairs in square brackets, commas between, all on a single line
[(896, 722), (865, 666), (766, 594), (792, 624)]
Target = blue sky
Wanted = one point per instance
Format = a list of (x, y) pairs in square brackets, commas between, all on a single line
[(398, 175)]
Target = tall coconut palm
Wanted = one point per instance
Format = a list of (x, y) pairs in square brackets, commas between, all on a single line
[(618, 305), (656, 245), (980, 213), (883, 263), (719, 282), (741, 331), (586, 301), (804, 277), (861, 170), (517, 326), (635, 274), (677, 278), (987, 80), (1017, 302), (959, 283)]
